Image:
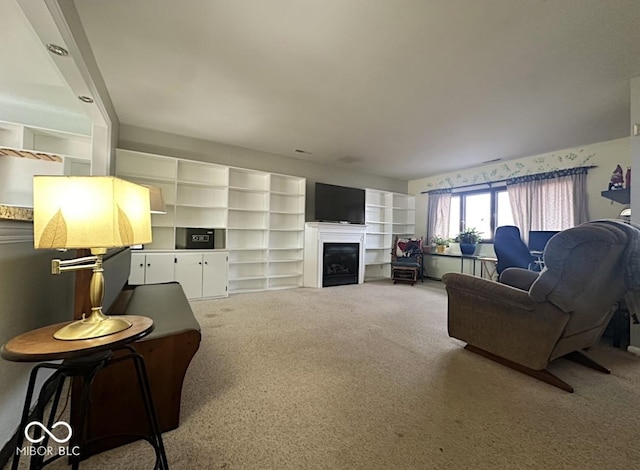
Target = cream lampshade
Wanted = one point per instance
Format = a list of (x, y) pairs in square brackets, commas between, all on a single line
[(95, 212)]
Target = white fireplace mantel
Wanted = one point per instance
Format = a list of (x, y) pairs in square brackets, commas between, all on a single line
[(316, 234)]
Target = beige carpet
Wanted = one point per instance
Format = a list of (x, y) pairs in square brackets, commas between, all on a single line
[(365, 377)]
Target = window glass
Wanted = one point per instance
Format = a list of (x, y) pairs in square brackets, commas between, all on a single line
[(485, 210), (478, 213), (504, 216)]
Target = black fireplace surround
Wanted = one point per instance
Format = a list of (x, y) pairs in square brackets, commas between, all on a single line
[(340, 264)]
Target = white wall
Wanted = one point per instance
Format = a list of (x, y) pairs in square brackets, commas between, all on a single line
[(31, 297), (161, 143)]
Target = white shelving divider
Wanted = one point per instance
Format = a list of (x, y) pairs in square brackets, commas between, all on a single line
[(404, 214), (248, 230), (387, 215), (261, 214), (378, 235), (286, 232), (201, 195), (154, 170)]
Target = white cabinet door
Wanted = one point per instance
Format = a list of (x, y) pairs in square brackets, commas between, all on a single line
[(188, 273), (215, 274), (158, 268), (136, 275)]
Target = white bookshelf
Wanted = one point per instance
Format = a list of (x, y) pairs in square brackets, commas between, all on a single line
[(262, 214), (248, 229), (286, 231), (387, 215), (154, 170), (404, 214), (66, 154)]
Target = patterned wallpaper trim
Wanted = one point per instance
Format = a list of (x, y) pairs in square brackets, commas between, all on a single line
[(508, 170)]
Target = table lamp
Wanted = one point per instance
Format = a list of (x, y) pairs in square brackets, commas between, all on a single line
[(94, 212)]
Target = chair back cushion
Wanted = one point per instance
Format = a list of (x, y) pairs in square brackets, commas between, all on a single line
[(584, 273), (408, 247), (510, 250)]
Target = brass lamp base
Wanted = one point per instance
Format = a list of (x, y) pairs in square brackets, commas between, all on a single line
[(89, 328)]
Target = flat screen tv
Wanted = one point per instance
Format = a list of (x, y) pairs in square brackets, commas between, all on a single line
[(538, 239), (339, 204)]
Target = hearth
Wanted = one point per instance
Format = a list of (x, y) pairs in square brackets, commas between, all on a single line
[(340, 264), (347, 268)]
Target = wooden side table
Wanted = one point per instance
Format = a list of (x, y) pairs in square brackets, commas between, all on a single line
[(80, 358)]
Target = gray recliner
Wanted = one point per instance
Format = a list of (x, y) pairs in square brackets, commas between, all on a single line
[(528, 319)]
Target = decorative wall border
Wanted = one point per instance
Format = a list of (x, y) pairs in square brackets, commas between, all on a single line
[(16, 213)]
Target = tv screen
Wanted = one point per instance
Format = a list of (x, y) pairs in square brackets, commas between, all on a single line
[(339, 204), (538, 239)]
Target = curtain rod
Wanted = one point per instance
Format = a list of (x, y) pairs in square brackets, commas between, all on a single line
[(491, 183)]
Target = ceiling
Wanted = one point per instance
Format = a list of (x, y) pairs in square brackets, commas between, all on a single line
[(402, 88), (31, 87)]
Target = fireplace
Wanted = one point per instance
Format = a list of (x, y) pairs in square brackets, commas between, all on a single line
[(340, 264), (333, 254)]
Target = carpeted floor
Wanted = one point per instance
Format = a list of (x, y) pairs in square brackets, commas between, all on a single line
[(366, 377)]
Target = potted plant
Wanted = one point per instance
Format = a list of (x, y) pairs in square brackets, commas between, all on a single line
[(440, 242), (468, 240)]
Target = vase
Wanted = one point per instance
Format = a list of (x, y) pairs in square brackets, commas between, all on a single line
[(468, 248), (440, 249)]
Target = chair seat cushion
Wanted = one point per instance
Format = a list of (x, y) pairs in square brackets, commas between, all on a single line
[(409, 263)]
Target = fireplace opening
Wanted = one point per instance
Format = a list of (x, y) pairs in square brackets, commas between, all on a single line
[(340, 264)]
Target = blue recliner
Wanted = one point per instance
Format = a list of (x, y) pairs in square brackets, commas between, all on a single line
[(511, 251)]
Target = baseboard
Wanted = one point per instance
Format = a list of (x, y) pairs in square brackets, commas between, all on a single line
[(634, 350)]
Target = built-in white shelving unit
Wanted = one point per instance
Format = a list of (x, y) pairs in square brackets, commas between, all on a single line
[(404, 214), (66, 154), (387, 215), (260, 213), (286, 231)]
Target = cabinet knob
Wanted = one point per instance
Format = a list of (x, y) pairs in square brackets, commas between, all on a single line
[(206, 262), (148, 264), (142, 265)]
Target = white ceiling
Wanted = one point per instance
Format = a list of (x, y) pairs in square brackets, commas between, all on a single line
[(402, 88), (31, 87)]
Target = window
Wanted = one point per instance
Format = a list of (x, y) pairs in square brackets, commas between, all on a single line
[(484, 209)]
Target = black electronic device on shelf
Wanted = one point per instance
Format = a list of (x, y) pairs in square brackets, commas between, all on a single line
[(339, 204)]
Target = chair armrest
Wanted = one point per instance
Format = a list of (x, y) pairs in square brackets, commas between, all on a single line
[(488, 289), (502, 320), (519, 278)]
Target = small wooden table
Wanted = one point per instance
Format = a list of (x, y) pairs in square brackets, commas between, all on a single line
[(40, 345), (80, 358)]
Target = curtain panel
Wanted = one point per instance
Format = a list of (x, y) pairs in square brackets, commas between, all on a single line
[(438, 215), (549, 201)]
